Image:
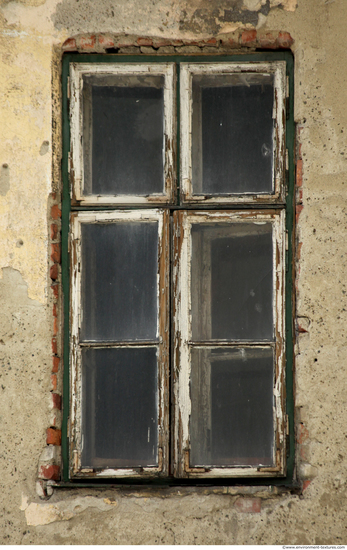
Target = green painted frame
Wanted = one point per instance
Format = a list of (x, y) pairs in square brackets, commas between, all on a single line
[(264, 56)]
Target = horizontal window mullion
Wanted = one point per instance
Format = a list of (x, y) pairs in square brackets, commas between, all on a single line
[(118, 344), (236, 343)]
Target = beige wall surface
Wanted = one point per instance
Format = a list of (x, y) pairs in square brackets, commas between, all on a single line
[(32, 33)]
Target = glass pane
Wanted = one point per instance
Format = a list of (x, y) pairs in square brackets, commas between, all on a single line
[(120, 407), (123, 119), (231, 421), (232, 282), (119, 281), (233, 133)]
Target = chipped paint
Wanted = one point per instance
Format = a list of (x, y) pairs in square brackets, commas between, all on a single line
[(184, 221), (246, 71), (77, 219), (77, 72)]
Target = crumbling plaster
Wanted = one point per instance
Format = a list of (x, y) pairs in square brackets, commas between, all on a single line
[(31, 35)]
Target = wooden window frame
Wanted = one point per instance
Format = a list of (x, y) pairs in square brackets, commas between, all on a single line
[(162, 342), (260, 206), (183, 343)]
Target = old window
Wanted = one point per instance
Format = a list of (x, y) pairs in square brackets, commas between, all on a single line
[(178, 238)]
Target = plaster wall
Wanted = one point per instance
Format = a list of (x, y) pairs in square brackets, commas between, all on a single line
[(31, 36)]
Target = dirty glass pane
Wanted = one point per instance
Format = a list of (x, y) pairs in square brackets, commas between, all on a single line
[(231, 421), (232, 141), (120, 407), (123, 118), (119, 281), (232, 282)]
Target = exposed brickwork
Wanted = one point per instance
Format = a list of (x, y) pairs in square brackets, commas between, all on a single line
[(247, 38), (49, 472), (49, 464), (53, 436)]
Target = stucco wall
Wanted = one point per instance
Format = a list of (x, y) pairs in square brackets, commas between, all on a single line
[(31, 36)]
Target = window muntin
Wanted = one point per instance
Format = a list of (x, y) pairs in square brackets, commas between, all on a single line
[(90, 459), (232, 132), (129, 162)]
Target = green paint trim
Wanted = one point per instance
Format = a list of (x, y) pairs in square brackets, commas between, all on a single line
[(288, 480), (65, 269)]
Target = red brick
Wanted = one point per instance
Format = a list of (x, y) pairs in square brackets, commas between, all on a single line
[(88, 42), (248, 505), (54, 346), (54, 231), (55, 289), (299, 173), (55, 312), (53, 436), (298, 210), (298, 253), (54, 381), (105, 41), (145, 41), (53, 272), (160, 42), (302, 433), (55, 326), (56, 401), (306, 484), (49, 472), (56, 361), (268, 41), (284, 40), (248, 37), (55, 212), (232, 42), (69, 45), (211, 41), (55, 252)]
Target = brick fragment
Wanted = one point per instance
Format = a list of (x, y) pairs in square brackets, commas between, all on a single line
[(49, 472), (88, 43), (56, 401), (55, 326), (248, 37), (54, 231), (54, 381), (143, 41), (298, 210), (55, 252), (55, 212), (55, 289), (268, 41), (69, 45), (248, 505), (161, 42), (53, 272), (56, 361), (54, 346), (302, 433), (299, 173), (53, 436), (305, 484), (284, 40), (55, 311), (105, 41)]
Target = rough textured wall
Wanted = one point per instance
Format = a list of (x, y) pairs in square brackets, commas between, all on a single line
[(31, 34)]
